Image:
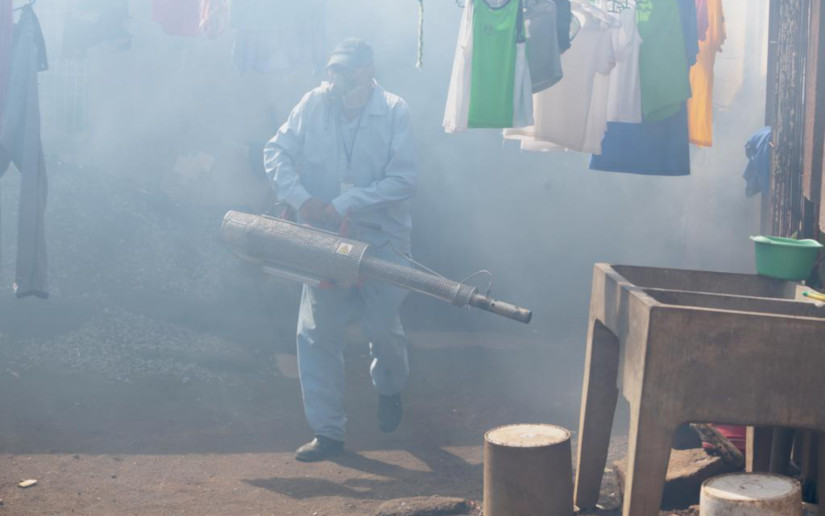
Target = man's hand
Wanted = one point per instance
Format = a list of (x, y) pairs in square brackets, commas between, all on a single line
[(312, 210), (332, 218)]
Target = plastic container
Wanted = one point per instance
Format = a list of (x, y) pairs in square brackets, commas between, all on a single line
[(785, 258), (750, 494)]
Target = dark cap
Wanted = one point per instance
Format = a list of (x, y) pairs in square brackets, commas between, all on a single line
[(351, 53)]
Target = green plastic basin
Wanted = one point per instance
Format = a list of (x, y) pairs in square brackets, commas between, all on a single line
[(785, 258)]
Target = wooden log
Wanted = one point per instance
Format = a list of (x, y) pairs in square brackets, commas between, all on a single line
[(528, 471)]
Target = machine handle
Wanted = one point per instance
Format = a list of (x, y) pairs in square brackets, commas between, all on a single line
[(501, 308)]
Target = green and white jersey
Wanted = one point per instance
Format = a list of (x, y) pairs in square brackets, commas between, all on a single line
[(490, 86)]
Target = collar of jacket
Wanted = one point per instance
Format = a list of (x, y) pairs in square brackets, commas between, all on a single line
[(377, 105)]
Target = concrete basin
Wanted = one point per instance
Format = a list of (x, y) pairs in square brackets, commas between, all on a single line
[(693, 346)]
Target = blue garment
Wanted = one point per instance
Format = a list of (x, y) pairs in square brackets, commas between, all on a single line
[(308, 158), (21, 144), (650, 148), (687, 14), (564, 17), (659, 148), (366, 168), (322, 322), (758, 172)]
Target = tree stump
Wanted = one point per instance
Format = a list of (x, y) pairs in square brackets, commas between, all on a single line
[(528, 471)]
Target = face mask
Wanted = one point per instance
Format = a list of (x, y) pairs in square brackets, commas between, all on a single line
[(341, 86), (348, 92)]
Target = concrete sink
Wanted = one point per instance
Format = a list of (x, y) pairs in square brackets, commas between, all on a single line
[(692, 346)]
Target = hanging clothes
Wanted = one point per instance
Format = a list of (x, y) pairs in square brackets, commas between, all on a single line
[(277, 36), (496, 34), (617, 94), (662, 58), (6, 29), (690, 25), (657, 148), (564, 17), (700, 106), (623, 85), (256, 14), (178, 17), (214, 17), (758, 171), (92, 22), (20, 143), (653, 147), (264, 52), (543, 55), (702, 22), (563, 113), (490, 86), (458, 94), (522, 90)]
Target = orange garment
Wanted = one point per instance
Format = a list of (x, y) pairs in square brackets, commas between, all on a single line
[(700, 105)]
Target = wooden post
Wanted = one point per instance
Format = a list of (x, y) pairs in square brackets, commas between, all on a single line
[(758, 452), (793, 23), (528, 471)]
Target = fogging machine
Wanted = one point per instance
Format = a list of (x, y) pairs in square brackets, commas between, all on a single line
[(314, 256)]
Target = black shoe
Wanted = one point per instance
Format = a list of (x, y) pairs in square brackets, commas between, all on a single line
[(389, 412), (320, 448)]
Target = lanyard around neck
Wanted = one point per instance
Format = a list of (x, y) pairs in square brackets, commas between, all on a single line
[(348, 150)]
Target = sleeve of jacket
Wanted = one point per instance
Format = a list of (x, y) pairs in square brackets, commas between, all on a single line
[(398, 181), (283, 152)]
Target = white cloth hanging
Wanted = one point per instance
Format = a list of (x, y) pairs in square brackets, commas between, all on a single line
[(457, 110), (624, 103), (563, 113), (458, 94)]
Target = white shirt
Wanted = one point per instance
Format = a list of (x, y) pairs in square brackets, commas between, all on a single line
[(617, 97), (624, 101), (457, 110), (562, 112), (317, 151)]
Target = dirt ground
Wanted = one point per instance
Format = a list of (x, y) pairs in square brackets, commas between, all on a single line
[(158, 445), (180, 429), (174, 430), (160, 378)]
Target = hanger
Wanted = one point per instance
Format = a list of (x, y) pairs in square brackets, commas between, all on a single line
[(28, 4), (617, 6)]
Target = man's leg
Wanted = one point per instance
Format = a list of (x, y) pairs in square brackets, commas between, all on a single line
[(388, 348), (322, 321)]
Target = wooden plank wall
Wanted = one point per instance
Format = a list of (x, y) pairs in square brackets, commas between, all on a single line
[(786, 197), (814, 147)]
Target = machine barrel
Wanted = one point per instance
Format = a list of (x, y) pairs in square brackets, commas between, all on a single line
[(307, 254), (442, 288), (417, 280), (495, 306)]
